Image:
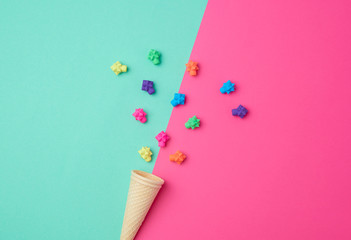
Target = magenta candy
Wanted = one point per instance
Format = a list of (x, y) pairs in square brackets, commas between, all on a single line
[(162, 138), (140, 115)]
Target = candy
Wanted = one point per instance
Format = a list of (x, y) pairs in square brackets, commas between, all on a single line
[(193, 123), (228, 87), (145, 153), (117, 67), (239, 111), (151, 91), (192, 68), (140, 115), (178, 157), (148, 86), (162, 138), (178, 99), (154, 56)]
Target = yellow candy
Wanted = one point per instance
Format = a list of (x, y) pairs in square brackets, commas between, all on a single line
[(117, 67), (145, 153)]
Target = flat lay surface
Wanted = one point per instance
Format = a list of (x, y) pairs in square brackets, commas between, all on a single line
[(283, 171), (251, 137), (68, 140)]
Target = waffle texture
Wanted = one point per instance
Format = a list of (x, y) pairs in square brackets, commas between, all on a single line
[(143, 189)]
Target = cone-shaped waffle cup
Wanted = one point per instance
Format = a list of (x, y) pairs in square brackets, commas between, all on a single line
[(143, 189)]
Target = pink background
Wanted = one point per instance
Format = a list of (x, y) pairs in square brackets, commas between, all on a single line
[(282, 172)]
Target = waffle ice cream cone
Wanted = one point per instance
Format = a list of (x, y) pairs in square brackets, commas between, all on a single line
[(143, 189)]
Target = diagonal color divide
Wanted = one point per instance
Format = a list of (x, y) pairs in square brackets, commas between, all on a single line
[(282, 172), (68, 140)]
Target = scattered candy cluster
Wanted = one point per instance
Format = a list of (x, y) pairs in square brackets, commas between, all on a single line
[(179, 99)]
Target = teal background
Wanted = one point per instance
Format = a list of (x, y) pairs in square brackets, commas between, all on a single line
[(68, 140)]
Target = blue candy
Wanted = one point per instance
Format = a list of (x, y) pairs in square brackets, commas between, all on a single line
[(228, 87), (178, 99)]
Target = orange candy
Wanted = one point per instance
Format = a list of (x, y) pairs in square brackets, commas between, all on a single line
[(192, 68), (178, 157)]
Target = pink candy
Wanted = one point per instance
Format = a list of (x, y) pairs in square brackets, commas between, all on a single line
[(162, 138), (140, 115)]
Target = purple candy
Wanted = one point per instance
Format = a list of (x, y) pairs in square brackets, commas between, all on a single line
[(148, 86), (151, 90), (240, 111)]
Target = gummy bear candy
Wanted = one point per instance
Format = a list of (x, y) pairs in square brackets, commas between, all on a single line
[(178, 99), (162, 138), (145, 153), (117, 67), (148, 86), (240, 111), (154, 56), (228, 87), (178, 157), (192, 68), (140, 115), (193, 123)]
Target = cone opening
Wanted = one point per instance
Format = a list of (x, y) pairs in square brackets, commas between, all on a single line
[(147, 178)]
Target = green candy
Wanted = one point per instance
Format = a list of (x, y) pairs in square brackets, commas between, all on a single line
[(192, 123), (154, 56)]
